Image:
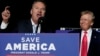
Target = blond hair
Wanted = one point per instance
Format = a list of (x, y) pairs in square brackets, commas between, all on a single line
[(88, 12)]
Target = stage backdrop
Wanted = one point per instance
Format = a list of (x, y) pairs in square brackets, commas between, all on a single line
[(49, 44)]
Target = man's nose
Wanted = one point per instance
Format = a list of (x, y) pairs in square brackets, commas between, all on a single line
[(40, 11)]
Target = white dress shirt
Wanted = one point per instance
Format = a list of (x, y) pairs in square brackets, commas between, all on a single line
[(3, 25), (34, 27), (89, 34)]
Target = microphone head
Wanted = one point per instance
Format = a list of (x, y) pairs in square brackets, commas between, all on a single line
[(40, 20)]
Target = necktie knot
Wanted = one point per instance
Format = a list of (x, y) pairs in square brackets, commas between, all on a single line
[(85, 32)]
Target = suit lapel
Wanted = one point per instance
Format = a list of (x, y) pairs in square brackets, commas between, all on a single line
[(79, 31), (80, 37), (92, 47), (42, 29), (29, 27)]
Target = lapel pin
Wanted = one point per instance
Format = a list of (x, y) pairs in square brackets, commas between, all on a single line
[(95, 37)]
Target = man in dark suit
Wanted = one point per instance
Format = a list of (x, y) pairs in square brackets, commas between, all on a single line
[(5, 15), (32, 25), (5, 18), (89, 38), (7, 25)]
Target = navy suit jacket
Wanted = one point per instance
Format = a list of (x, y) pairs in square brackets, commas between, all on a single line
[(94, 47), (25, 26), (11, 28)]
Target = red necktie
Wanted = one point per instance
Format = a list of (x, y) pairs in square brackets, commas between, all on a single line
[(84, 45)]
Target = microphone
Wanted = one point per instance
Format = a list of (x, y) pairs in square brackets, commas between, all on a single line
[(40, 20)]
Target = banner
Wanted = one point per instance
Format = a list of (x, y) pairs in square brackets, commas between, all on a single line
[(45, 44)]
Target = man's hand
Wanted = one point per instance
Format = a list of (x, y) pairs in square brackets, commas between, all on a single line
[(6, 14)]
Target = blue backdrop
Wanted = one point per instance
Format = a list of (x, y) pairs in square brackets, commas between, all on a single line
[(49, 44)]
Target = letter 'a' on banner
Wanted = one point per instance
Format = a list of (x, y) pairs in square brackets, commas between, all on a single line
[(44, 44)]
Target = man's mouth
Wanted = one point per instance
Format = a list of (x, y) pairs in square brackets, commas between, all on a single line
[(5, 15), (39, 15)]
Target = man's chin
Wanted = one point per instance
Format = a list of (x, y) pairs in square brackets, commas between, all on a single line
[(85, 29)]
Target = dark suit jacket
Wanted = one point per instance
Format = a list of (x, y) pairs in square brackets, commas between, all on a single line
[(94, 47), (11, 28), (25, 26)]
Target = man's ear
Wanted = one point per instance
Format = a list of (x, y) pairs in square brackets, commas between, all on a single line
[(31, 11), (92, 23)]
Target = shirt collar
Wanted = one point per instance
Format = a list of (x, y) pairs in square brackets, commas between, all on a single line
[(89, 30), (33, 23)]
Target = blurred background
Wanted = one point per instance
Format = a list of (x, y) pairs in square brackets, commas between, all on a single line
[(61, 14)]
